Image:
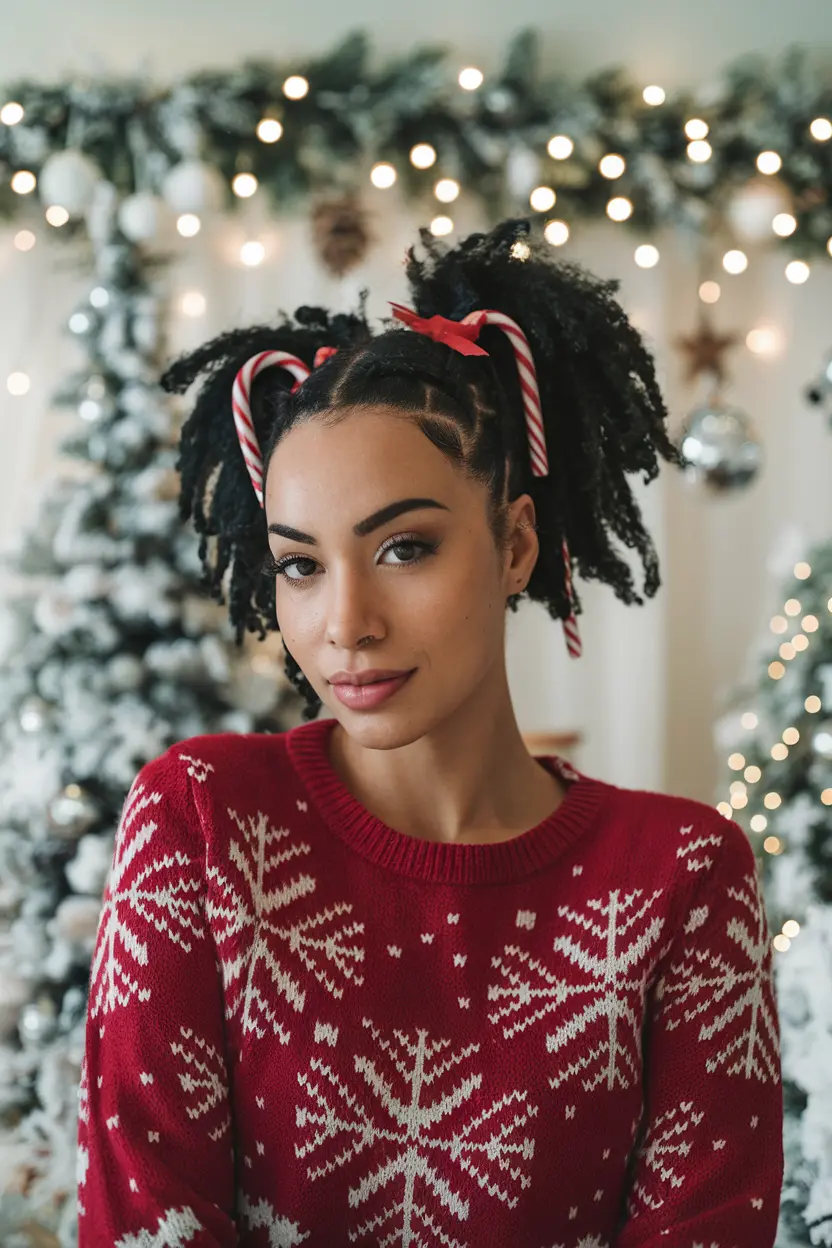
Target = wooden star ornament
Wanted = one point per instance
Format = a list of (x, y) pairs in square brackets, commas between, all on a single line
[(704, 351)]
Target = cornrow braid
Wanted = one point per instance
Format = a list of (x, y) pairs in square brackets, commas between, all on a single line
[(603, 415)]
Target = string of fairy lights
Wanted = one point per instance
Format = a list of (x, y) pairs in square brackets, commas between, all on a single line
[(542, 198), (799, 643)]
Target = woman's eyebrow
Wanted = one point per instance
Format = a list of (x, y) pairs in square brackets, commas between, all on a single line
[(375, 521)]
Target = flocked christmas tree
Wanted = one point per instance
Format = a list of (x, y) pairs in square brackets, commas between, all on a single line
[(780, 738), (110, 651)]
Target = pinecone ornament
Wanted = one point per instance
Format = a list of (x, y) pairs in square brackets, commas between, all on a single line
[(340, 234)]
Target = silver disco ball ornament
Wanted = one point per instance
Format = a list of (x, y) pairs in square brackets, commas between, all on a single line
[(38, 1021), (721, 450), (34, 714), (72, 812)]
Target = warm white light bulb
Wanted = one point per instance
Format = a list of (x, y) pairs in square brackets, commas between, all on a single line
[(612, 165), (520, 250), (441, 225), (269, 130), (189, 225), (784, 224), (619, 208), (560, 147), (446, 190), (11, 113), (295, 87), (696, 128), (556, 233), (24, 240), (244, 185), (735, 261), (383, 175), (646, 256), (470, 78), (699, 151), (820, 129), (422, 156), (797, 272), (542, 198), (252, 253), (24, 182), (763, 341), (18, 383), (654, 95), (709, 292), (56, 215), (769, 162)]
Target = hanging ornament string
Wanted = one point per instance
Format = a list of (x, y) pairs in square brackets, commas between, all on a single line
[(461, 336)]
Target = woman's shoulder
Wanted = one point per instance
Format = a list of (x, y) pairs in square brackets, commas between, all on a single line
[(225, 761), (689, 831)]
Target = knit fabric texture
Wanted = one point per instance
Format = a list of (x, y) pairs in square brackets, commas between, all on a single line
[(306, 1027)]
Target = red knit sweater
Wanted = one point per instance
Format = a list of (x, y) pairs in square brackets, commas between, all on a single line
[(308, 1028)]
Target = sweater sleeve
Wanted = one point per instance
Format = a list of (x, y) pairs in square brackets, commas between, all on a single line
[(709, 1164), (155, 1139)]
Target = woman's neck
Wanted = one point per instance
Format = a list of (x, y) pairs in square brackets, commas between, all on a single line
[(469, 780)]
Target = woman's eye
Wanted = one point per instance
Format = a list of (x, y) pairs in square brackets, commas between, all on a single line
[(284, 568), (405, 546), (296, 569)]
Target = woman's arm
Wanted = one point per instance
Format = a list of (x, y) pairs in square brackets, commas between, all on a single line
[(709, 1167), (155, 1142)]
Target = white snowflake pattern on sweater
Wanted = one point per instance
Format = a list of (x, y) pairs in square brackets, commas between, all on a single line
[(143, 898), (340, 1120), (612, 960), (725, 991), (243, 906)]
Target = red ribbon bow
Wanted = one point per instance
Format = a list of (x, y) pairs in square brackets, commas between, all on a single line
[(461, 337)]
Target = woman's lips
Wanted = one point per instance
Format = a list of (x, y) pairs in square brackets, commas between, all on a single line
[(365, 697)]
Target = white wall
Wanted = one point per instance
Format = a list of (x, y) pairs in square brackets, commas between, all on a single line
[(663, 40), (652, 679)]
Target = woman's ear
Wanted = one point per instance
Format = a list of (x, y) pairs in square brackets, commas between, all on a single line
[(522, 545)]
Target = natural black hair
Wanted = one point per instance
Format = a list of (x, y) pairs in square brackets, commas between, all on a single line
[(603, 414)]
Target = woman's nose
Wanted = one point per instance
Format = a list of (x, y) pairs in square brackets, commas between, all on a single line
[(352, 610)]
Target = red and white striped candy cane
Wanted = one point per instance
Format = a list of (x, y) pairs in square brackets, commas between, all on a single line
[(537, 439), (241, 406)]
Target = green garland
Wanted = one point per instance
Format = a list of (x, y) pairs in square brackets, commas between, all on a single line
[(493, 140)]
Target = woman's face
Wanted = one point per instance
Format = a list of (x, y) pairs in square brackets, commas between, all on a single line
[(428, 585)]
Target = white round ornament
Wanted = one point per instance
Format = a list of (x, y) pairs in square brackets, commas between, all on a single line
[(69, 179), (193, 187), (144, 217)]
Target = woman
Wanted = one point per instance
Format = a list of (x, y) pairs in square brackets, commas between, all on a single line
[(385, 978)]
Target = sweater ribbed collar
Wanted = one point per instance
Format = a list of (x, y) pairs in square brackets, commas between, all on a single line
[(438, 861)]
